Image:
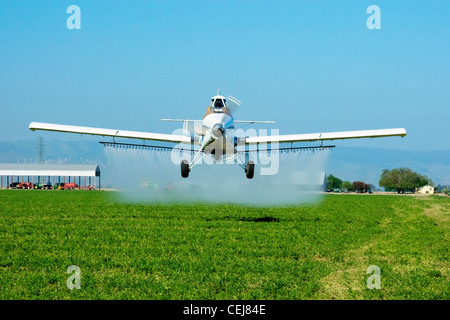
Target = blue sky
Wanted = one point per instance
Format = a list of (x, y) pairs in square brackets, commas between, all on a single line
[(312, 66)]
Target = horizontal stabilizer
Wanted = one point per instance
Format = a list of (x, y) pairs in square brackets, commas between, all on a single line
[(179, 120), (236, 121), (253, 121)]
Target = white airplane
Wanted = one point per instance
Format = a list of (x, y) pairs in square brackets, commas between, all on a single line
[(216, 136)]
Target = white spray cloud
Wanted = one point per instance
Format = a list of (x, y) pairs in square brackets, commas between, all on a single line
[(151, 176)]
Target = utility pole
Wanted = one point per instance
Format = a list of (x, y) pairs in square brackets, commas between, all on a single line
[(41, 149)]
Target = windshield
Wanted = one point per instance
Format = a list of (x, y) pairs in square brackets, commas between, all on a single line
[(218, 105)]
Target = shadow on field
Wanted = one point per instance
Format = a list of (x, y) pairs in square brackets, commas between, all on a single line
[(248, 219), (265, 219)]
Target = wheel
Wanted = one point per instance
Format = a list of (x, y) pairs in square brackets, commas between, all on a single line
[(185, 169), (250, 169)]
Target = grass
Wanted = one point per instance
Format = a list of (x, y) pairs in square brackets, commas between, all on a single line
[(204, 251)]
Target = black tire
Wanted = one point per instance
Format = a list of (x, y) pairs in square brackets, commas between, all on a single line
[(185, 169), (250, 170)]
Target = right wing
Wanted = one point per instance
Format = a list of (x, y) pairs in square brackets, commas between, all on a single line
[(111, 132), (327, 136)]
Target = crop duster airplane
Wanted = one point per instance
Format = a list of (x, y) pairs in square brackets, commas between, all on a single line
[(216, 136)]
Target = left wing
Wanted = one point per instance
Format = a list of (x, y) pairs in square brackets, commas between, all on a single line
[(110, 132), (327, 136)]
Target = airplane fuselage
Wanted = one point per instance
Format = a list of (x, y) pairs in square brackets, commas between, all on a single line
[(216, 125)]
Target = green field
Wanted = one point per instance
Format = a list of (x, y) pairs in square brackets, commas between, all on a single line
[(147, 251)]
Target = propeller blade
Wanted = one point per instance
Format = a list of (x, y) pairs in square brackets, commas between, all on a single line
[(234, 105)]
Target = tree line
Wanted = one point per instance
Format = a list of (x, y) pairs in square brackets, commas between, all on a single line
[(334, 183), (403, 179), (400, 180)]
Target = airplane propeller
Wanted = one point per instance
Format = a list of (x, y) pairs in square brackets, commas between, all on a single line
[(234, 105)]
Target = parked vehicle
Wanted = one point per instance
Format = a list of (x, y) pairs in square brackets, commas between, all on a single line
[(59, 186), (38, 186), (14, 185), (48, 186), (70, 186), (26, 185)]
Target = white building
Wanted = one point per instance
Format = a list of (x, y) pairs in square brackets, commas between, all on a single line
[(425, 189), (51, 173)]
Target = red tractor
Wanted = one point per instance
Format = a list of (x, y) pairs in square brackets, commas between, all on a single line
[(24, 185), (70, 186), (27, 185)]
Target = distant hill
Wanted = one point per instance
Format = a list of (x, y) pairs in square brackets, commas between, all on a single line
[(56, 151), (347, 163)]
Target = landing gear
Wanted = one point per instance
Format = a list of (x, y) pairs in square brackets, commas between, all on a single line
[(250, 169), (185, 169)]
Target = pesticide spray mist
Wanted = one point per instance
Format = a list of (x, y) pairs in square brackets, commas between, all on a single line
[(153, 176)]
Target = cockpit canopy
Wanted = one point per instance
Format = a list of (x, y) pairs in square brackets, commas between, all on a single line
[(218, 103)]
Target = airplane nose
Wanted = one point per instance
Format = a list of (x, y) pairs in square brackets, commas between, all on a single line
[(217, 130)]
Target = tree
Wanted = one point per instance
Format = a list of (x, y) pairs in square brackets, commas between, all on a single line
[(333, 182), (403, 179), (347, 185), (360, 187)]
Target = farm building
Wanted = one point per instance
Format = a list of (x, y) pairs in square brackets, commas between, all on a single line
[(425, 189), (83, 175)]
